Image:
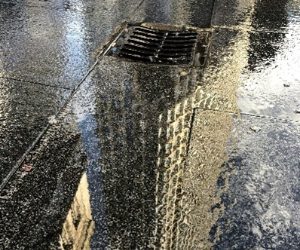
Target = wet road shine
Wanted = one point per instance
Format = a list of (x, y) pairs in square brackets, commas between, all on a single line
[(100, 152)]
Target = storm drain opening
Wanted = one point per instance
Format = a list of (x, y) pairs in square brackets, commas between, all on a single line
[(171, 45)]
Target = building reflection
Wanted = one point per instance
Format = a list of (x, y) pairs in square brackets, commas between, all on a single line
[(162, 145), (133, 126), (141, 131), (264, 45), (79, 225), (179, 12), (154, 159), (128, 126), (147, 119)]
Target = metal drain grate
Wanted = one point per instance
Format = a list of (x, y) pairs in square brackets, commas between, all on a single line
[(149, 45)]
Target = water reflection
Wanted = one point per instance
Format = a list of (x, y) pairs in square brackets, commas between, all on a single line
[(194, 13), (264, 45), (141, 118), (74, 40), (127, 114), (30, 72), (155, 145), (260, 210), (79, 225), (271, 81), (163, 13), (205, 8)]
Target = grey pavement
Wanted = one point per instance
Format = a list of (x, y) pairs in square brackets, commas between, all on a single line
[(100, 152)]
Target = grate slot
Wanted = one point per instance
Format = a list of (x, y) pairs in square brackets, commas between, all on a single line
[(175, 61), (170, 45), (140, 47), (172, 33), (179, 42), (142, 33), (163, 55), (168, 35), (139, 52), (183, 38), (180, 34), (173, 54), (172, 50), (135, 57), (149, 39), (143, 43), (151, 31)]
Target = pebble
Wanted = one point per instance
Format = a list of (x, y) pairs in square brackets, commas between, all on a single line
[(184, 73), (255, 128), (27, 167), (52, 120)]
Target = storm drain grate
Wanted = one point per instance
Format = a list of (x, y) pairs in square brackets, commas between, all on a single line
[(150, 45)]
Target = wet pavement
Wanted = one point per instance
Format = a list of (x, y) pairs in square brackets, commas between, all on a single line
[(50, 45), (102, 152)]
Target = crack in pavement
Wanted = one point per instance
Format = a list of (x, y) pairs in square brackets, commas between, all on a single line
[(34, 82)]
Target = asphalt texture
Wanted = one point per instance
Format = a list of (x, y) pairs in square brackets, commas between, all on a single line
[(102, 152)]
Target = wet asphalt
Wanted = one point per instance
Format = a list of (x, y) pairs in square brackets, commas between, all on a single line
[(100, 152)]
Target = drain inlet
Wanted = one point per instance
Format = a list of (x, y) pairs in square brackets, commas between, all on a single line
[(150, 45)]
